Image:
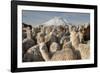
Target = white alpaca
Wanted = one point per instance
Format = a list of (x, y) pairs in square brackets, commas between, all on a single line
[(51, 37), (54, 47), (68, 45), (85, 51), (58, 55), (40, 37), (63, 55), (74, 37), (81, 33), (83, 48)]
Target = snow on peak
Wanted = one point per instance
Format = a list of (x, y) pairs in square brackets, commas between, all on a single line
[(56, 21)]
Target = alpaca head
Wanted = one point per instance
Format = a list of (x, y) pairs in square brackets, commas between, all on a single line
[(67, 46), (72, 28), (40, 37), (33, 49), (54, 47), (87, 32), (64, 39), (28, 29), (48, 29)]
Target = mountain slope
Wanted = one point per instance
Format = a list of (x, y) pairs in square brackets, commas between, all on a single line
[(56, 21)]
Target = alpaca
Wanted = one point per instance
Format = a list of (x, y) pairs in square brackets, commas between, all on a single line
[(84, 49), (58, 55), (28, 42), (84, 33), (74, 37), (61, 32), (81, 34), (87, 33), (51, 37), (63, 55), (64, 39), (33, 54), (67, 45), (34, 32), (40, 37), (24, 35), (54, 47), (48, 30), (44, 51)]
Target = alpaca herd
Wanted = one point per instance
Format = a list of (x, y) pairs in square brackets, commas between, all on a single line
[(55, 43)]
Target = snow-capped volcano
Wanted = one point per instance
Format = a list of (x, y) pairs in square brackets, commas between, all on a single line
[(56, 21)]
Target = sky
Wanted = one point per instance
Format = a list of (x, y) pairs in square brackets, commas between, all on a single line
[(37, 17)]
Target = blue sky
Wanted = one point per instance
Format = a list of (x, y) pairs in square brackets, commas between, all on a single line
[(38, 17)]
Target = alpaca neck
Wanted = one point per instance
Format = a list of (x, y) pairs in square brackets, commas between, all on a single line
[(44, 52), (75, 40), (29, 36)]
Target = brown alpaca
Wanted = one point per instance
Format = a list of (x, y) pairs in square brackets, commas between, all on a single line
[(87, 33), (28, 42), (33, 54), (84, 33)]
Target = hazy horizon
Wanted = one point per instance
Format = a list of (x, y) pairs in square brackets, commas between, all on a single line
[(37, 17)]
